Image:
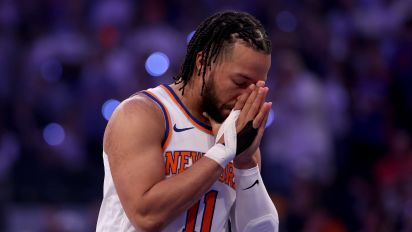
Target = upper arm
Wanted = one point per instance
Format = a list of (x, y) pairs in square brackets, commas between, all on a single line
[(132, 142)]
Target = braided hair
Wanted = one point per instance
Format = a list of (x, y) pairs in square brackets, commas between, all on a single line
[(215, 34)]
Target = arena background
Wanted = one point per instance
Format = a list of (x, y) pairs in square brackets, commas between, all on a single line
[(337, 153)]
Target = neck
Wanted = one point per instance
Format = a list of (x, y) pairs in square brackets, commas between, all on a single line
[(191, 98)]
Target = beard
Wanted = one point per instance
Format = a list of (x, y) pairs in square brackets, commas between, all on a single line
[(210, 103)]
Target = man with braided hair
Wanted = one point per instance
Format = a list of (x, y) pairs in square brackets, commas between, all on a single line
[(185, 156)]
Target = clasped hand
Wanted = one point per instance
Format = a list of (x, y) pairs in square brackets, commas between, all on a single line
[(253, 108)]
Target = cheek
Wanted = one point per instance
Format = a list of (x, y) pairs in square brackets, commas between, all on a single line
[(227, 93), (229, 99), (234, 93)]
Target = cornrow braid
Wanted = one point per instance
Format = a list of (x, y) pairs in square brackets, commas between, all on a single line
[(214, 34)]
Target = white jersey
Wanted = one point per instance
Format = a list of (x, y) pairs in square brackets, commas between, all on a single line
[(186, 140)]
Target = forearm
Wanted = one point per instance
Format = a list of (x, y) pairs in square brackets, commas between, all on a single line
[(253, 207), (172, 196), (247, 162), (167, 198)]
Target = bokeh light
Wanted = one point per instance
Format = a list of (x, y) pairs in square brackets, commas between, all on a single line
[(189, 36), (54, 134), (157, 64), (271, 118), (108, 107)]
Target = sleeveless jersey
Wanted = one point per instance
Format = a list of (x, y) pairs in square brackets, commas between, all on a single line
[(186, 140)]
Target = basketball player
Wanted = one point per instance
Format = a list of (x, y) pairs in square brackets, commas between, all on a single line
[(185, 156)]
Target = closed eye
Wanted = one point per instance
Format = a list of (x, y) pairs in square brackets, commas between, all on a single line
[(242, 81), (241, 84)]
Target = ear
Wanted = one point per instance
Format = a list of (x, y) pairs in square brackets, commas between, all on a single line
[(199, 63)]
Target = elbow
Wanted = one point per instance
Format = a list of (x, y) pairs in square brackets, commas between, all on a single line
[(148, 223)]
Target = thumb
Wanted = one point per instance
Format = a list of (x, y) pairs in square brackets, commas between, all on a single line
[(213, 123), (206, 115)]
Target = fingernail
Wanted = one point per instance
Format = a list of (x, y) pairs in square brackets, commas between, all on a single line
[(252, 86)]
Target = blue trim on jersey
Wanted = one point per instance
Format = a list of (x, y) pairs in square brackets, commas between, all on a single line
[(164, 114), (204, 125)]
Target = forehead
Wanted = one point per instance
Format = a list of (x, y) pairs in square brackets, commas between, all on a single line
[(244, 60)]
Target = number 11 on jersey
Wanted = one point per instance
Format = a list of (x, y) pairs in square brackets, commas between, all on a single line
[(210, 202)]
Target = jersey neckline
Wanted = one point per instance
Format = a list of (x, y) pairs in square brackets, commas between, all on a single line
[(200, 125)]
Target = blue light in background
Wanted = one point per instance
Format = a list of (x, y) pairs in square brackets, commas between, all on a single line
[(189, 36), (271, 118), (54, 134), (286, 21), (157, 64), (108, 107), (51, 70)]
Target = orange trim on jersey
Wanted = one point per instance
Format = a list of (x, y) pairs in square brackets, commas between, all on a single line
[(196, 124), (169, 121), (209, 210)]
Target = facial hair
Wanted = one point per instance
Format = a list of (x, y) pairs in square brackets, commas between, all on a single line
[(210, 103)]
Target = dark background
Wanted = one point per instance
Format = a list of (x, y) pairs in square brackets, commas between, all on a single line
[(336, 157)]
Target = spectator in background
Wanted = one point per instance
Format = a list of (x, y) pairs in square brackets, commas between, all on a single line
[(393, 175), (401, 69), (300, 139)]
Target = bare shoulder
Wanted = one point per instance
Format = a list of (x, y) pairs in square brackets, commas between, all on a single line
[(136, 120), (137, 107)]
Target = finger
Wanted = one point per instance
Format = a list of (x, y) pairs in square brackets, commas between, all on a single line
[(248, 104), (257, 104), (262, 128), (260, 84), (206, 115), (213, 123), (264, 111), (241, 100)]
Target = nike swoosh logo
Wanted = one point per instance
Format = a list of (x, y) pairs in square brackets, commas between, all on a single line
[(256, 182), (181, 129)]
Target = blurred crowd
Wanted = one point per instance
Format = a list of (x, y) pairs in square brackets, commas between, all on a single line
[(337, 156)]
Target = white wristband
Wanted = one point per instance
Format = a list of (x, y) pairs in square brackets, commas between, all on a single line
[(228, 130), (218, 154)]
